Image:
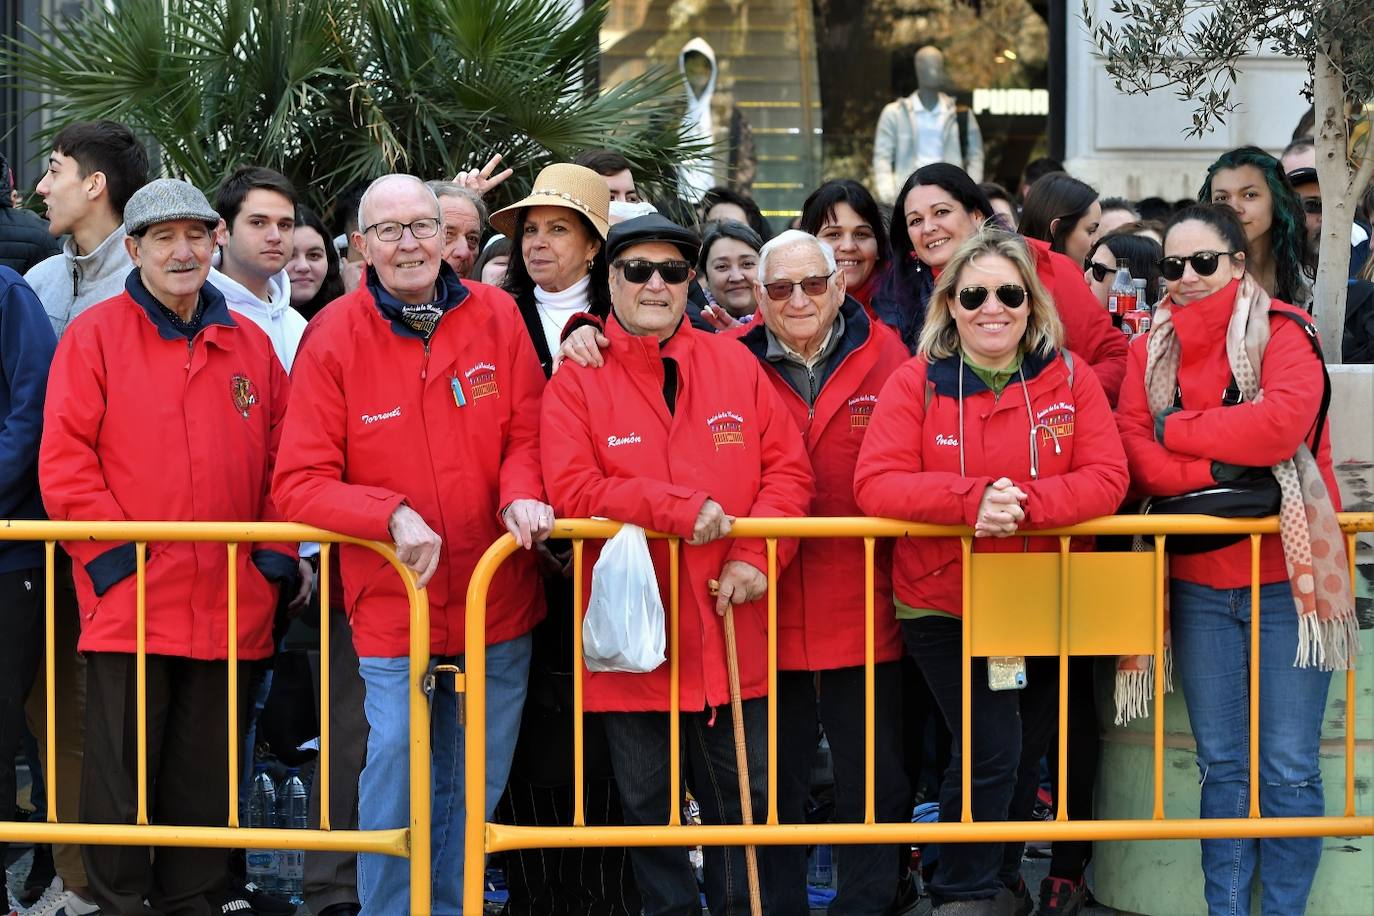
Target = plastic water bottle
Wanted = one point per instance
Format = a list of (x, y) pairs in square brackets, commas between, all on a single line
[(820, 870), (293, 812), (262, 812)]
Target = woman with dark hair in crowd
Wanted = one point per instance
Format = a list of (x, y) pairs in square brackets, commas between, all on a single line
[(843, 214), (490, 266), (721, 203), (1063, 211), (314, 266), (940, 207), (1227, 389), (1141, 254), (1003, 204), (557, 265), (1116, 212), (1251, 182), (728, 267)]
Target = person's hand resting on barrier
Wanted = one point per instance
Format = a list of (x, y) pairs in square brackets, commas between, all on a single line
[(417, 545), (529, 520), (712, 524), (1000, 512)]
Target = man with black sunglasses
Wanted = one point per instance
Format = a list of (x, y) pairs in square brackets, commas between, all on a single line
[(681, 432)]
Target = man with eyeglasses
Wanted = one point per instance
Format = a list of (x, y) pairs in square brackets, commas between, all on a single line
[(418, 425), (680, 432)]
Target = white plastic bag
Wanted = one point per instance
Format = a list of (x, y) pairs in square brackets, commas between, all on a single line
[(623, 629)]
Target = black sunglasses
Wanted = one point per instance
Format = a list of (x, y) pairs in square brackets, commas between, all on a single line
[(1009, 294), (639, 270), (1100, 271), (779, 290), (1204, 264)]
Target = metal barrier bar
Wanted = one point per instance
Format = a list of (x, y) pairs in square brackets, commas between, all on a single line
[(232, 652), (485, 838), (579, 764), (772, 816), (1253, 730), (674, 681), (966, 700), (870, 697), (326, 649), (1350, 718), (411, 841)]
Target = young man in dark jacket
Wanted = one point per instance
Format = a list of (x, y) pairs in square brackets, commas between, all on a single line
[(24, 238)]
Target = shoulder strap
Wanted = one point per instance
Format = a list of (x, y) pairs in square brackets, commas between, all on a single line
[(1310, 330), (1068, 361)]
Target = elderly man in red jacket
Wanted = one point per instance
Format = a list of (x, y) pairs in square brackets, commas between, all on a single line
[(679, 432), (162, 404), (828, 360), (417, 423)]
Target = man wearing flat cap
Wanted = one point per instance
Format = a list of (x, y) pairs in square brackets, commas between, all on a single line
[(162, 405), (416, 421), (679, 432)]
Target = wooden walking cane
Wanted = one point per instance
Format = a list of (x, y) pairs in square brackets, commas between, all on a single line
[(746, 802)]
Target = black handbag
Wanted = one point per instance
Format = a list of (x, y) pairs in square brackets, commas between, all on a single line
[(1255, 494)]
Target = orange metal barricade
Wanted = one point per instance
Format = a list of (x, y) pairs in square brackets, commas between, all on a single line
[(412, 842), (1059, 612)]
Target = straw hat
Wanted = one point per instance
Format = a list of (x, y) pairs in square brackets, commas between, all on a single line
[(562, 185)]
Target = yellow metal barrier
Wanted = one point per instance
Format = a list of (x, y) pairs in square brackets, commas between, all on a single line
[(1059, 613), (412, 842)]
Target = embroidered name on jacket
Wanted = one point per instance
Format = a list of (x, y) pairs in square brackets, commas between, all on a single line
[(727, 428), (861, 410), (1054, 422), (244, 394), (631, 439), (482, 381), (950, 441), (370, 418)]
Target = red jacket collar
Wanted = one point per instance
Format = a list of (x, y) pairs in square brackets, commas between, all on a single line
[(1201, 325)]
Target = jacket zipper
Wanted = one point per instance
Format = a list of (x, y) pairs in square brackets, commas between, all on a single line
[(75, 274)]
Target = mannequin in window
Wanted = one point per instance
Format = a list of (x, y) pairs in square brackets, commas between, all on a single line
[(924, 127)]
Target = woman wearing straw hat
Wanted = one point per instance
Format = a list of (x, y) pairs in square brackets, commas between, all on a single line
[(557, 266), (557, 269)]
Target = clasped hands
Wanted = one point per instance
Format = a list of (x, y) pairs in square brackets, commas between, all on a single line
[(1001, 510)]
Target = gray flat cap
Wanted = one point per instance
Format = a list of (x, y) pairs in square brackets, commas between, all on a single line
[(163, 200)]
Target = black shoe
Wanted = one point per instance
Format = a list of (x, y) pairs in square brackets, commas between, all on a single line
[(262, 902), (1023, 902), (234, 903), (1062, 897), (40, 875)]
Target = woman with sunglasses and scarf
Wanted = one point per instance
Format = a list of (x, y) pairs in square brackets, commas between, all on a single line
[(1226, 389), (1252, 183), (994, 425), (939, 207)]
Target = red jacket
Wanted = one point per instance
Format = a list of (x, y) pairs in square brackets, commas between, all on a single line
[(909, 465), (611, 448), (821, 595), (377, 423), (1088, 329), (1254, 434), (143, 424)]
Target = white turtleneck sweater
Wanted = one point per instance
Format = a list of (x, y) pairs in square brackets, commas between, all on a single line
[(556, 308)]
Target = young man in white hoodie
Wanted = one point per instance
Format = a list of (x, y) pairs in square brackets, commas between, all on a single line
[(257, 208)]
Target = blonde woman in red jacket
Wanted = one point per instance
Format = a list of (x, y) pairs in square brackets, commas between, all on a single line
[(993, 426)]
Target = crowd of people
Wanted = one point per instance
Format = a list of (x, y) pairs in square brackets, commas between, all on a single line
[(441, 375)]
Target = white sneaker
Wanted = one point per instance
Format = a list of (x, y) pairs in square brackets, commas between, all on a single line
[(58, 901)]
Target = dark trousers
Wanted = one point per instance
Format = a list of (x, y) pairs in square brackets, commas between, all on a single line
[(21, 644), (332, 877), (1008, 736), (834, 701), (593, 881), (639, 756), (1069, 859), (188, 772)]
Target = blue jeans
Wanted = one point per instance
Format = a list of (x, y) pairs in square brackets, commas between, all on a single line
[(384, 786), (1211, 636)]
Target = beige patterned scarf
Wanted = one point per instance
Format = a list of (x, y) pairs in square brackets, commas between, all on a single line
[(1313, 545)]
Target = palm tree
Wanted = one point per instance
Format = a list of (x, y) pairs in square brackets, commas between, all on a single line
[(333, 92)]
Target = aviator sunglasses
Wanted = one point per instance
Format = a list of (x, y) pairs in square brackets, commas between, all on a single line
[(779, 290), (1009, 294), (1204, 264), (638, 270)]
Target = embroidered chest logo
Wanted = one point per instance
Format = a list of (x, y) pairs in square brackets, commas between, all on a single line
[(615, 441), (1054, 422), (481, 380), (861, 410), (244, 393), (370, 418), (948, 441), (727, 428)]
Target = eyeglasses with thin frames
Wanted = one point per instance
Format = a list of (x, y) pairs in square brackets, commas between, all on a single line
[(779, 290), (391, 231)]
